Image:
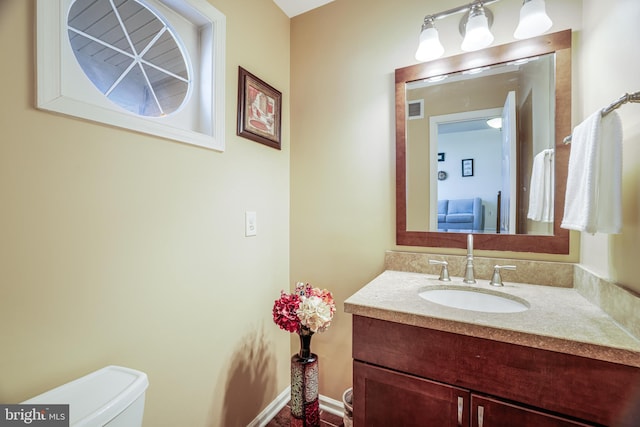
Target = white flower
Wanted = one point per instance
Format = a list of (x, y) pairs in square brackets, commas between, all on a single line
[(314, 313)]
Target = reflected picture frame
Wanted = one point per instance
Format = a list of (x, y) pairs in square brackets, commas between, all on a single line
[(467, 167), (259, 110)]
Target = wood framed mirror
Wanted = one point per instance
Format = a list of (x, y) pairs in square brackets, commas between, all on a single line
[(556, 241)]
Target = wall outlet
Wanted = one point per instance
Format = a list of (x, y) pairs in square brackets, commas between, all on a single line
[(250, 224)]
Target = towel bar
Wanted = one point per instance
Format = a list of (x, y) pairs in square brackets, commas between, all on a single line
[(627, 97)]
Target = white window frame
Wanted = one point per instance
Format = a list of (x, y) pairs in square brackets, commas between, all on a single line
[(58, 92)]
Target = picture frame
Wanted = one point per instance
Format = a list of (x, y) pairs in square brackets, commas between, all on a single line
[(467, 167), (259, 110), (441, 157)]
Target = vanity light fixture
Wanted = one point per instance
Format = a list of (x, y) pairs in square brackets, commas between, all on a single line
[(533, 20), (430, 46), (476, 30), (475, 27)]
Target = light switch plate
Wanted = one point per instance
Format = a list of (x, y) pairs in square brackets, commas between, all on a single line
[(250, 224)]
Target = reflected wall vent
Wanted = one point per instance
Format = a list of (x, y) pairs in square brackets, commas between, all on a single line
[(415, 109)]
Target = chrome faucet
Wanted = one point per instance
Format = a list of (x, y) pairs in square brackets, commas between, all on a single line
[(469, 276)]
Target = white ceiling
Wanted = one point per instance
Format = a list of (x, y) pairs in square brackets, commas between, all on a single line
[(296, 7)]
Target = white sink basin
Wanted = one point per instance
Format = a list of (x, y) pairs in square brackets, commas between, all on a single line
[(473, 299)]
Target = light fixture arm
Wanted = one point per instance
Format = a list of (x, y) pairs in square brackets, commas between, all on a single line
[(459, 9), (427, 23)]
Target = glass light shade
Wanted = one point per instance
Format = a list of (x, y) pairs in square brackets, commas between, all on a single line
[(477, 35), (533, 20), (430, 46)]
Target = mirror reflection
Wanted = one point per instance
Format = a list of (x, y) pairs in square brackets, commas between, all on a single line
[(480, 149)]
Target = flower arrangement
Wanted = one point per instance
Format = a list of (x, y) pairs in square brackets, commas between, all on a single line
[(305, 310)]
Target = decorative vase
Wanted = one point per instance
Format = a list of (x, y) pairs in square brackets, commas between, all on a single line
[(305, 406)]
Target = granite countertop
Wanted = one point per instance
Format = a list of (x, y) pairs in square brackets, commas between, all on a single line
[(558, 319)]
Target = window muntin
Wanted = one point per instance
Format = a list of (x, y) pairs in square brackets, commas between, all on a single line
[(130, 54)]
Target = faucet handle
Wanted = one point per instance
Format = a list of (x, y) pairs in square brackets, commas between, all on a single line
[(496, 280), (444, 273)]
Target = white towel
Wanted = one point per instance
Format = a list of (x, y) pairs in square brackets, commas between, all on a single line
[(542, 187), (593, 201)]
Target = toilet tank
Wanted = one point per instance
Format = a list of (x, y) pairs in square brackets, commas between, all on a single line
[(112, 396)]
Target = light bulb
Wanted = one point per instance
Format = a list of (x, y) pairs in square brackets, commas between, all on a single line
[(430, 47), (533, 20)]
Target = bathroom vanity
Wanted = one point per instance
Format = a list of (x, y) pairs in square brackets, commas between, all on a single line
[(560, 362)]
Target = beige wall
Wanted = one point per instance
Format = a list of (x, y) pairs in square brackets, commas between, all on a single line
[(123, 248), (128, 249), (610, 67), (342, 155)]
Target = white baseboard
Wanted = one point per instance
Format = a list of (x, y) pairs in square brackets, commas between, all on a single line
[(272, 409), (333, 406), (328, 404)]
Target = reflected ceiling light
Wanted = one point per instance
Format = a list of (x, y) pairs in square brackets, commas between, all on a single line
[(523, 61), (533, 20), (475, 26), (495, 122), (430, 47), (473, 71), (476, 30), (436, 79)]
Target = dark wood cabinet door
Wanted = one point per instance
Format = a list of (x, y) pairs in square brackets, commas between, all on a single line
[(488, 412), (383, 398)]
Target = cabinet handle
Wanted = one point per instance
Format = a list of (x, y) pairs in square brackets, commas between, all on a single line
[(460, 410), (480, 416)]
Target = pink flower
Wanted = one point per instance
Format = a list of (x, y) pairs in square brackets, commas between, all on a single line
[(284, 312)]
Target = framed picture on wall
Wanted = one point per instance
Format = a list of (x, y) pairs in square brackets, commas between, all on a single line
[(467, 167), (259, 110)]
